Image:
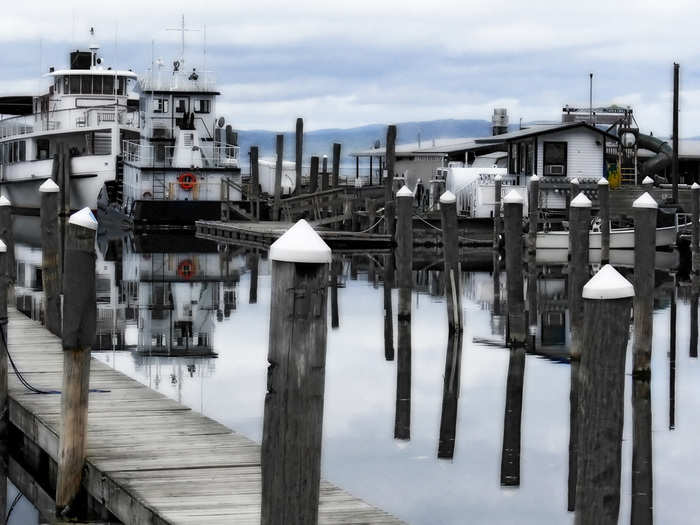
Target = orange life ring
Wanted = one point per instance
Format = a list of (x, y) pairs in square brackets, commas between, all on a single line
[(187, 181), (186, 269)]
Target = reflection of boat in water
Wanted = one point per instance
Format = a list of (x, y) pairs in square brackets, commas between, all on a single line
[(620, 238), (624, 258)]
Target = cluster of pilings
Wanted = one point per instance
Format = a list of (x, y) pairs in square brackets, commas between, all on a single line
[(600, 308)]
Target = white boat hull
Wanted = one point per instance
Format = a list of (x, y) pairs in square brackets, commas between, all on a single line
[(619, 239)]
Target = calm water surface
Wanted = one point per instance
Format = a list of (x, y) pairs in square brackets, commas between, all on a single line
[(211, 312)]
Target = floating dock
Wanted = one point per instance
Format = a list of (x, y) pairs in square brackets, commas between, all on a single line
[(149, 459)]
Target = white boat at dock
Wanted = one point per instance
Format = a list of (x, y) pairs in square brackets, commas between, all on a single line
[(620, 238)]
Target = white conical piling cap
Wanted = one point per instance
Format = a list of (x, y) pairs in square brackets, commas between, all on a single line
[(84, 218), (695, 186), (404, 192), (608, 284), (448, 198), (645, 201), (498, 178), (535, 178), (513, 197), (49, 186), (580, 201), (300, 244), (648, 180), (3, 247), (574, 181), (4, 201), (603, 181)]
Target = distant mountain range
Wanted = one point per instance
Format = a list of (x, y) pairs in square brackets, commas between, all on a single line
[(320, 142)]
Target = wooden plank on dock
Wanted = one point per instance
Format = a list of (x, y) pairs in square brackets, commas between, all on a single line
[(150, 459)]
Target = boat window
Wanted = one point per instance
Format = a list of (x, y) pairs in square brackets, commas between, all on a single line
[(57, 84), (97, 85), (121, 88), (108, 85), (554, 158), (66, 88), (74, 85), (203, 106), (86, 84), (22, 150), (160, 105)]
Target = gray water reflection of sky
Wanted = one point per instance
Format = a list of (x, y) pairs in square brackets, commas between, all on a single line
[(405, 478)]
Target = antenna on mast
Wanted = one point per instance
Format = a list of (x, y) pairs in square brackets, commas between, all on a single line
[(182, 30)]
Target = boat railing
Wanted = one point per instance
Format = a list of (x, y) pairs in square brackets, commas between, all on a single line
[(206, 155), (194, 80), (67, 119)]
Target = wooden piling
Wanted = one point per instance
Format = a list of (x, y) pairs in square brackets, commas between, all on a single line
[(648, 183), (645, 211), (674, 135), (313, 176), (50, 254), (336, 165), (325, 174), (255, 179), (579, 224), (513, 215), (292, 428), (450, 250), (512, 421), (533, 213), (388, 307), (389, 204), (450, 396), (695, 242), (79, 327), (299, 135), (642, 467), (573, 434), (498, 181), (607, 302), (8, 237), (4, 399), (604, 203), (278, 178)]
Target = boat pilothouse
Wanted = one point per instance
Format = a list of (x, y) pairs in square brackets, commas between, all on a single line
[(85, 112), (184, 166)]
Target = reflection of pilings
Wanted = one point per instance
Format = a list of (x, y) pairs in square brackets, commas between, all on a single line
[(450, 396), (402, 424), (573, 435), (388, 315), (672, 362), (642, 479), (694, 322), (510, 455), (496, 283), (607, 301), (254, 261), (336, 269)]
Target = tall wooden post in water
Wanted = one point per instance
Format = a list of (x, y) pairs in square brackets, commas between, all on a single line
[(513, 211), (79, 327), (324, 174), (255, 180), (50, 254), (604, 203), (674, 160), (533, 213), (389, 204), (695, 242), (313, 175), (607, 302), (404, 257), (336, 165), (579, 221), (278, 178), (292, 428), (498, 182), (8, 237), (450, 250), (645, 211), (299, 136)]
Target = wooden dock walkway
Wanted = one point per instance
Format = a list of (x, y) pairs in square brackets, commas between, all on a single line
[(151, 460)]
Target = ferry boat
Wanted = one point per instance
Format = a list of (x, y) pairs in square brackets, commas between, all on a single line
[(86, 111), (184, 165)]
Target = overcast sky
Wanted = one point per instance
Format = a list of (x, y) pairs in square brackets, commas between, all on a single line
[(361, 62)]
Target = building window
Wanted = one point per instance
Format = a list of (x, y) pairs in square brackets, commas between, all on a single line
[(160, 105), (554, 158), (204, 106), (181, 105)]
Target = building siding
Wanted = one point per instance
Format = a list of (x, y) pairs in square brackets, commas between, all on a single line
[(584, 156)]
